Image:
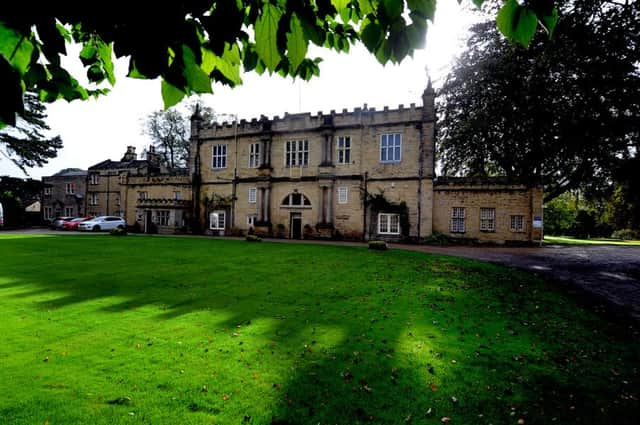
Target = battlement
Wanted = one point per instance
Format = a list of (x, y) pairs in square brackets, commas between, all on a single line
[(306, 121), (181, 178)]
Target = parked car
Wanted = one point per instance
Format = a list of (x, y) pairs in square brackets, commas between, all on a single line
[(104, 222), (58, 222), (73, 224)]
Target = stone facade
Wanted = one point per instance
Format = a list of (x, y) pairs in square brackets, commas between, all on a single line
[(360, 174), (493, 211), (143, 191), (292, 177), (64, 194)]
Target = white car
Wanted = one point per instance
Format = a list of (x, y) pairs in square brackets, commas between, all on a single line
[(104, 222)]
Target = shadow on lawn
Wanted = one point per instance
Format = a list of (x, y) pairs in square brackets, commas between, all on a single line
[(400, 357)]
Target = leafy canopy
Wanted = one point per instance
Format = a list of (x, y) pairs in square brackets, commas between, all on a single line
[(191, 43), (562, 112)]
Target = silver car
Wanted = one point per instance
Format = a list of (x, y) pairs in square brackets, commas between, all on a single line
[(105, 222), (58, 222)]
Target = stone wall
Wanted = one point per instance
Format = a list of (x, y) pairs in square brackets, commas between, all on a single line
[(57, 201), (507, 200), (106, 191)]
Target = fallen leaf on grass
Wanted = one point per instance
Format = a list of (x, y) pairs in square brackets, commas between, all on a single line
[(445, 419), (434, 387), (120, 400), (225, 397)]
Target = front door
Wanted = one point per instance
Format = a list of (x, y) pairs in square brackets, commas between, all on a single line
[(296, 225), (148, 223)]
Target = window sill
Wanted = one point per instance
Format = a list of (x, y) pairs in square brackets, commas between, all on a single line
[(297, 207)]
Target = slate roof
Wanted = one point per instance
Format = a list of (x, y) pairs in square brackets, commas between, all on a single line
[(119, 165), (70, 172)]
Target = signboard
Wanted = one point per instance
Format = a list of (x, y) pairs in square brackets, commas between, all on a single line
[(537, 222)]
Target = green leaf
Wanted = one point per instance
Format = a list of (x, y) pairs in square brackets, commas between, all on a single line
[(517, 22), (134, 72), (296, 43), (426, 8), (171, 95), (478, 2), (526, 28), (65, 33), (228, 64), (392, 9), (16, 48), (266, 29), (105, 53), (197, 79), (366, 7), (371, 36), (549, 22), (340, 5), (383, 54), (506, 18)]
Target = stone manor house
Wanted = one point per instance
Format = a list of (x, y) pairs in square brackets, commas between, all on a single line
[(361, 174)]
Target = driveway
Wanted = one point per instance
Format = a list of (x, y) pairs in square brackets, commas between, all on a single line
[(608, 273)]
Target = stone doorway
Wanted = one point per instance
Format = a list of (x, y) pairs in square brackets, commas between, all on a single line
[(295, 224)]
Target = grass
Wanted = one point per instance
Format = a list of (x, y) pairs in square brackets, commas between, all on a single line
[(161, 330), (569, 240)]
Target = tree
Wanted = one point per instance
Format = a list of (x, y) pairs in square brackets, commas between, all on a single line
[(190, 43), (562, 112), (15, 195), (169, 132), (24, 144)]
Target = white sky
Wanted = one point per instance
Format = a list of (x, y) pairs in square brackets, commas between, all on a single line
[(95, 130)]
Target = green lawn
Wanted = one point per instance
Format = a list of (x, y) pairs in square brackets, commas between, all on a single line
[(160, 330), (569, 240)]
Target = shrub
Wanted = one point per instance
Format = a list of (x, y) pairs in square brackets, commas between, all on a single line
[(624, 234), (253, 238), (378, 245), (307, 232), (280, 233), (118, 232), (437, 238)]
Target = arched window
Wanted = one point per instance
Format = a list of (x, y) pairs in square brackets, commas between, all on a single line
[(296, 200)]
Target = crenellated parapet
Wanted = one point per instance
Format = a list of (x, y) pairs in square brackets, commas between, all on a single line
[(181, 178), (358, 117)]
